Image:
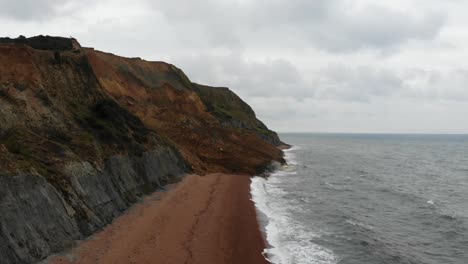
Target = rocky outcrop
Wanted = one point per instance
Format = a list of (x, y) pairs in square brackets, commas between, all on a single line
[(37, 219), (84, 134)]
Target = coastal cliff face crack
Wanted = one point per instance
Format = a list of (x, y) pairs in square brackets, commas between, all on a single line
[(188, 243)]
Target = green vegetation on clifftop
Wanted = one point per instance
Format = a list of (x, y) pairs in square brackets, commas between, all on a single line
[(232, 111)]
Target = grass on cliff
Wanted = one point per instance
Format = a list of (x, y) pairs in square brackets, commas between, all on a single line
[(30, 150), (112, 124), (5, 96), (225, 113), (263, 131), (12, 141)]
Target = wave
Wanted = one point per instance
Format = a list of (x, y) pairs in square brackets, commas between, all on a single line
[(289, 240), (359, 224)]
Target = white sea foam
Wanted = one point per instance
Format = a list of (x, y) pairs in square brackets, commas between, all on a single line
[(360, 224), (289, 240)]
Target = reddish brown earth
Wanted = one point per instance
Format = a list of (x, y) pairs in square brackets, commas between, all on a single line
[(59, 106), (204, 219), (48, 110), (162, 96)]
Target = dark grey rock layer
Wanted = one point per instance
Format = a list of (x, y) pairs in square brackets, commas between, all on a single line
[(36, 219)]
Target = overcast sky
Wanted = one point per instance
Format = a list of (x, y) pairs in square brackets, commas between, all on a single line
[(397, 66)]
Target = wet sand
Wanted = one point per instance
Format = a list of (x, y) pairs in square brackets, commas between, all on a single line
[(204, 219)]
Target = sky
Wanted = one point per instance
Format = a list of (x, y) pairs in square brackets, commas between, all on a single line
[(358, 66)]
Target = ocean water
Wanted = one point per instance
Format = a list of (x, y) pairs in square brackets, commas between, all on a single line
[(359, 199)]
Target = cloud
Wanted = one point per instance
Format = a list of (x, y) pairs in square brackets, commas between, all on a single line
[(331, 25), (447, 85), (304, 65), (336, 82), (38, 10), (374, 27), (276, 77), (27, 9), (362, 83)]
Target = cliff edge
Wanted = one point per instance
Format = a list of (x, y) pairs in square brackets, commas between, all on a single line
[(84, 134)]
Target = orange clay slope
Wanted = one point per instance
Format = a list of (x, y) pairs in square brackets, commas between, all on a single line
[(165, 100)]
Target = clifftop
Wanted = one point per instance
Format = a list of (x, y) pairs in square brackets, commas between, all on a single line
[(44, 42)]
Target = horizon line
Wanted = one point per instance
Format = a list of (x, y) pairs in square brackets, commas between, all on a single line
[(372, 133)]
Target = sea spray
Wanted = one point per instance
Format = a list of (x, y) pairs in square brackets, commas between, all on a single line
[(289, 241)]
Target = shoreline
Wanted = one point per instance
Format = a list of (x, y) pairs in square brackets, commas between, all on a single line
[(262, 217), (202, 219)]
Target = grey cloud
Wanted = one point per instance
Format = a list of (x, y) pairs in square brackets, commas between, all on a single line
[(219, 22), (375, 27), (294, 12), (360, 84), (366, 84), (29, 9), (447, 85), (326, 24), (40, 10), (277, 77), (302, 64), (339, 82), (336, 26)]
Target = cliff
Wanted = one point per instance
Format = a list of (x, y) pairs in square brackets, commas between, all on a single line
[(232, 112), (84, 134), (166, 101)]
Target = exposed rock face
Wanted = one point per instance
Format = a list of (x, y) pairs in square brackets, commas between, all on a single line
[(231, 111), (166, 101), (34, 219), (84, 134), (37, 219)]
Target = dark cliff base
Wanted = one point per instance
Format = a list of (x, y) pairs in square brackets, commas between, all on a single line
[(84, 134), (38, 219)]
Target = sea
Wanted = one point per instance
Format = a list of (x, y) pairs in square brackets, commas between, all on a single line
[(367, 199)]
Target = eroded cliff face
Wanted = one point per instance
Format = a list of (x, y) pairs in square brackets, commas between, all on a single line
[(84, 134), (166, 101), (71, 159), (39, 218), (232, 112)]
